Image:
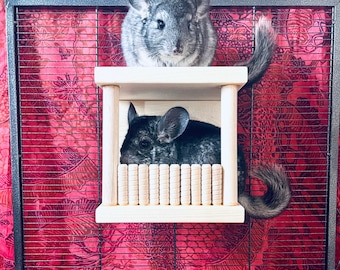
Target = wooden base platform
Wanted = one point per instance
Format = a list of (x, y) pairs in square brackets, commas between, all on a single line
[(170, 214)]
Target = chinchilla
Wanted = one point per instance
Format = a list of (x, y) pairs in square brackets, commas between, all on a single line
[(180, 33), (175, 139)]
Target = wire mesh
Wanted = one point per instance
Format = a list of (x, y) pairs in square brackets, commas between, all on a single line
[(284, 118)]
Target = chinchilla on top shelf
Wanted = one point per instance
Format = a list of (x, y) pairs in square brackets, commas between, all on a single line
[(173, 33)]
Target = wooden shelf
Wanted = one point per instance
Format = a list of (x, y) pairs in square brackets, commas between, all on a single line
[(170, 83), (167, 84), (170, 214)]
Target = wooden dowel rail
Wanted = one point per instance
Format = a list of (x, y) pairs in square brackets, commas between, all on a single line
[(145, 189)]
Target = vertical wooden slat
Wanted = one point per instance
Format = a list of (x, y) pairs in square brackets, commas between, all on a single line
[(229, 143), (110, 144)]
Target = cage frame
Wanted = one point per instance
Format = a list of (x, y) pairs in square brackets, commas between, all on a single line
[(333, 139)]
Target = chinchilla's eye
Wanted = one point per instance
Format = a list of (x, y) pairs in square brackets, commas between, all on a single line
[(144, 20), (192, 25), (160, 24), (145, 143)]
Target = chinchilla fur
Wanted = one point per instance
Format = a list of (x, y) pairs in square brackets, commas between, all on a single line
[(175, 139), (180, 33)]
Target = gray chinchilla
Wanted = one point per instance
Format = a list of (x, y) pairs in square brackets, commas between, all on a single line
[(175, 139), (180, 33)]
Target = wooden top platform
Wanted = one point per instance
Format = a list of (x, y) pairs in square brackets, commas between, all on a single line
[(170, 83)]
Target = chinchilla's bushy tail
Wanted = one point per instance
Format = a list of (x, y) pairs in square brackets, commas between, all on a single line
[(265, 43), (276, 198)]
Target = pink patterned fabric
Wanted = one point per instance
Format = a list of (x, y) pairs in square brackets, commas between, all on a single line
[(61, 149)]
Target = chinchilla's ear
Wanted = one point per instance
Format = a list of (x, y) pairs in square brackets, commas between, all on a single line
[(172, 124), (203, 7), (132, 114), (139, 5)]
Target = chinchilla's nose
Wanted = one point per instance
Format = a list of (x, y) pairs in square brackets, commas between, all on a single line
[(178, 48)]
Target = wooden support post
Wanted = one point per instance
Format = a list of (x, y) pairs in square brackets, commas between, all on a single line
[(229, 143), (110, 146)]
